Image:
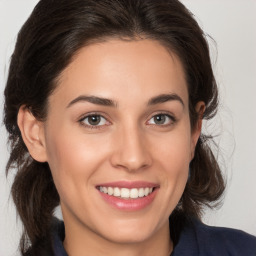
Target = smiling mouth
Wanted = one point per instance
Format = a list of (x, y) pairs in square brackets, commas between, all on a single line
[(126, 193)]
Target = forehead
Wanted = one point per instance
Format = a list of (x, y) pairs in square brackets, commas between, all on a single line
[(123, 70)]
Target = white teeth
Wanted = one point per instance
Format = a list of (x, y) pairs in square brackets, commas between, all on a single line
[(117, 192), (141, 192), (125, 192), (146, 191), (110, 191), (134, 193)]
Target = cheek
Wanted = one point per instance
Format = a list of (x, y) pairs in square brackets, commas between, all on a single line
[(173, 157), (75, 159), (173, 150), (176, 166), (72, 160)]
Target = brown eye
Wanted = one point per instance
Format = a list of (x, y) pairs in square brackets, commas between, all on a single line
[(94, 120), (161, 119)]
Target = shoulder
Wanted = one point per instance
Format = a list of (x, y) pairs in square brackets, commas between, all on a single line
[(204, 240), (58, 231), (224, 240)]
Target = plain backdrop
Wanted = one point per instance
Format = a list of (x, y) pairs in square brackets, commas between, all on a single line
[(232, 25)]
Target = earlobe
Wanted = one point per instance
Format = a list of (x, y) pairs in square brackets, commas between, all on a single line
[(32, 133), (200, 108)]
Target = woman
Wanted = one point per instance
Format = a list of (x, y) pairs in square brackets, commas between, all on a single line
[(104, 105)]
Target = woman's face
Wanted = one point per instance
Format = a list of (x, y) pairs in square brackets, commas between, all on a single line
[(118, 139)]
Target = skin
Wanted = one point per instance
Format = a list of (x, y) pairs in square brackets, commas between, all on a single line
[(127, 145)]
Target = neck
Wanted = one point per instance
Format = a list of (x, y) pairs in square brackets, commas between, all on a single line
[(80, 240)]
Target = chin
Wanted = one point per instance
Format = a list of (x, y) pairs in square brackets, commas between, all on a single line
[(130, 231), (127, 237)]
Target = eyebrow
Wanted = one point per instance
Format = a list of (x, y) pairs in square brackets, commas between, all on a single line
[(162, 98), (95, 100)]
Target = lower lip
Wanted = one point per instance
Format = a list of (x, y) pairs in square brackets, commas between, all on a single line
[(129, 204)]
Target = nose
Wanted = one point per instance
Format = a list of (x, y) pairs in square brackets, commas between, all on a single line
[(131, 151)]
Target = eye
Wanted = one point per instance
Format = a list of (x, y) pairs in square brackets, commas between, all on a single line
[(161, 119), (94, 120)]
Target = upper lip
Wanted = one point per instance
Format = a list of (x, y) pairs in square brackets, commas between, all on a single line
[(129, 184)]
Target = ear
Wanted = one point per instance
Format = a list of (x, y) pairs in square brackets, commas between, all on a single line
[(32, 132), (196, 130)]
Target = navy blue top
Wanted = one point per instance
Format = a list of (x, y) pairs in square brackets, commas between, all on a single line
[(196, 239)]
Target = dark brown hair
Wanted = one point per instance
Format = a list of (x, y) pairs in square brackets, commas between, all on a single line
[(46, 44)]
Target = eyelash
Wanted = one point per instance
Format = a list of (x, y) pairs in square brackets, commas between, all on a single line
[(171, 118), (82, 121)]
